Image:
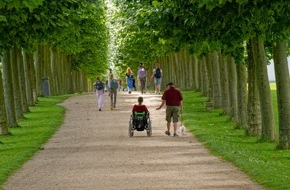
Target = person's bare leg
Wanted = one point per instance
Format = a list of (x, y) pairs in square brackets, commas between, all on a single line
[(158, 88), (175, 127), (168, 126)]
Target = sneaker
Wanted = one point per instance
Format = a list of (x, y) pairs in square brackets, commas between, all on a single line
[(167, 133), (175, 135)]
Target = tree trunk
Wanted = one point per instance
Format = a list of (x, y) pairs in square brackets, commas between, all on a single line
[(200, 75), (65, 76), (225, 99), (69, 76), (32, 77), (254, 114), (204, 77), (209, 77), (191, 76), (175, 68), (181, 64), (3, 116), (216, 80), (195, 72), (15, 84), (8, 90), (28, 91), (242, 96), (283, 93), (264, 91), (53, 77), (22, 80), (56, 71), (37, 66), (232, 73)]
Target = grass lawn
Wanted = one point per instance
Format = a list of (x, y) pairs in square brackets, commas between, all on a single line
[(38, 126), (261, 161)]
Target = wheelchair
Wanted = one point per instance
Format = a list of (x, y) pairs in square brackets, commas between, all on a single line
[(140, 121)]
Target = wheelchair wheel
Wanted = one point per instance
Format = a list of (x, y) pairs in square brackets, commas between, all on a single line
[(130, 129), (149, 128)]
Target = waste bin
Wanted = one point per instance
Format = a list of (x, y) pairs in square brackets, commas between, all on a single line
[(45, 86)]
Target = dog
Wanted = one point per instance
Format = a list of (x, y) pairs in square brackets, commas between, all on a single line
[(181, 129)]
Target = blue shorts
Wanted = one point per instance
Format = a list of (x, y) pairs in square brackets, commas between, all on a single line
[(157, 81)]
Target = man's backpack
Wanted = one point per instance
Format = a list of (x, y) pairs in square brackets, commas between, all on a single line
[(99, 85), (114, 84), (158, 73)]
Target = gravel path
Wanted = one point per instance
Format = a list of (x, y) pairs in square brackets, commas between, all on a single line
[(92, 151)]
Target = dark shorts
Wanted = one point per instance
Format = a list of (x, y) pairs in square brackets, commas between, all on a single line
[(172, 112)]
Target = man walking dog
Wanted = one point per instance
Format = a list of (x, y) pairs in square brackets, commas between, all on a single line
[(173, 100)]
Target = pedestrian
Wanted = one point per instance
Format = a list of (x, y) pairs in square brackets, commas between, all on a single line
[(129, 79), (157, 75), (106, 86), (120, 82), (113, 91), (110, 74), (173, 100), (142, 77), (133, 83), (100, 93), (130, 83)]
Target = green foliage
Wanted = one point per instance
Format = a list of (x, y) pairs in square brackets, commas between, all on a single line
[(37, 127), (92, 39), (136, 41), (261, 161), (195, 23)]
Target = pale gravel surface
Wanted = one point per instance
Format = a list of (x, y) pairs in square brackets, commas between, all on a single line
[(92, 151)]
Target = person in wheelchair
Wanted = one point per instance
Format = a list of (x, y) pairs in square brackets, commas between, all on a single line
[(140, 114)]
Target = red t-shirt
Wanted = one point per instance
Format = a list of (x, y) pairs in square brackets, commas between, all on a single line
[(172, 97), (141, 108)]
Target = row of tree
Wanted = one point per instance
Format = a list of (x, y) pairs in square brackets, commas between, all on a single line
[(220, 48), (53, 47)]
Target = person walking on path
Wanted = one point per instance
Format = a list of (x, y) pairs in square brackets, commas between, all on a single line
[(129, 79), (173, 100), (157, 75), (120, 83), (113, 91), (142, 78), (109, 75), (100, 93)]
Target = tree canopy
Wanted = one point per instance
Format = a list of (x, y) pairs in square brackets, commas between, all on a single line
[(203, 25)]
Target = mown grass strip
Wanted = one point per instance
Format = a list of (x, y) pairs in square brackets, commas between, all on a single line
[(39, 125), (260, 160)]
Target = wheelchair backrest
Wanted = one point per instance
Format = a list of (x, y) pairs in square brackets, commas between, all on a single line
[(139, 115)]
